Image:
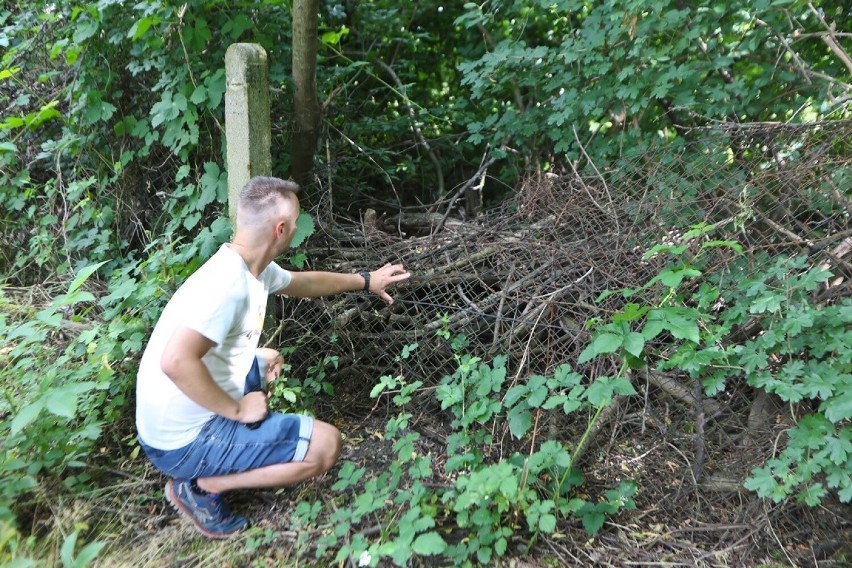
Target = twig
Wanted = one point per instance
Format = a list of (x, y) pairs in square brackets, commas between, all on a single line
[(369, 157), (596, 427), (480, 173), (789, 49), (418, 132), (551, 297), (673, 388), (606, 188), (688, 463), (698, 466), (775, 536), (830, 41)]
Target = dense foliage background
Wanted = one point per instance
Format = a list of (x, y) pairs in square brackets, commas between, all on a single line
[(113, 183)]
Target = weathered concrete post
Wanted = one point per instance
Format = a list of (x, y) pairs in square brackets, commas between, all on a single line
[(247, 126)]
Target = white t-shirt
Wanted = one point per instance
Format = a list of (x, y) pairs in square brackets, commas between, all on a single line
[(225, 303)]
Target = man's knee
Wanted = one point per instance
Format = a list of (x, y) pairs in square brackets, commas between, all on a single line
[(325, 445)]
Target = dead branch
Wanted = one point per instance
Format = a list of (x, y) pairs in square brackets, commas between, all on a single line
[(415, 128), (830, 41)]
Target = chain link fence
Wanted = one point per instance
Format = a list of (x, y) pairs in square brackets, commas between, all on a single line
[(523, 281)]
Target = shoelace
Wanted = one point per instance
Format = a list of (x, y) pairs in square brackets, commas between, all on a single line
[(216, 502)]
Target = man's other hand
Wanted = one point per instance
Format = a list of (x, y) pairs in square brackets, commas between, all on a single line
[(252, 408)]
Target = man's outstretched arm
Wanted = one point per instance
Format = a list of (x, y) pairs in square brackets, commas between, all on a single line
[(315, 284)]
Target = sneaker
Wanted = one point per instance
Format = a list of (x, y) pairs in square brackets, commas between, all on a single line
[(207, 512)]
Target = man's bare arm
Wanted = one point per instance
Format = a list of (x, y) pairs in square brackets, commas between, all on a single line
[(182, 363), (315, 284)]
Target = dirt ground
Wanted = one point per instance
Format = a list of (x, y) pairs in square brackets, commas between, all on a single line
[(677, 522)]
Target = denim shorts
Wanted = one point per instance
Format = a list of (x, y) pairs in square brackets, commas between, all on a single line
[(226, 446)]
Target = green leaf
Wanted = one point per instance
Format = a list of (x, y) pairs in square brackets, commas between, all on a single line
[(304, 228), (428, 544), (768, 302), (25, 416), (538, 391), (84, 29), (571, 405), (215, 88), (520, 421), (139, 28), (62, 402), (764, 484), (603, 343), (449, 395), (199, 95), (514, 395), (839, 450), (191, 220), (631, 312), (564, 376), (682, 323), (653, 325), (593, 521), (838, 407), (213, 185), (622, 386), (88, 553), (45, 113), (812, 495), (66, 553), (554, 401), (673, 278), (634, 343), (164, 111), (334, 37), (11, 72), (547, 523), (674, 250), (729, 244), (83, 274), (600, 392)]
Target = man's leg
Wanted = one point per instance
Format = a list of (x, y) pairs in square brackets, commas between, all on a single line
[(282, 450), (323, 451)]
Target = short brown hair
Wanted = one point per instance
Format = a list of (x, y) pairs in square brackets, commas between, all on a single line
[(259, 192)]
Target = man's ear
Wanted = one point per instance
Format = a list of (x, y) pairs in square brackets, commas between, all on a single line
[(280, 229)]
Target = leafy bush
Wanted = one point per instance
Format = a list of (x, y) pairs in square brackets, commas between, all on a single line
[(569, 81), (802, 353), (70, 367), (483, 499)]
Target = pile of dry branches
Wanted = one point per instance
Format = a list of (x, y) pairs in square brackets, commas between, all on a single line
[(523, 279)]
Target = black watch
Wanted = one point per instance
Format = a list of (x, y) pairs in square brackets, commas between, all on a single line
[(366, 276)]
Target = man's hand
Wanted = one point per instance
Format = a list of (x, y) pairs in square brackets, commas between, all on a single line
[(384, 277), (252, 408), (272, 362)]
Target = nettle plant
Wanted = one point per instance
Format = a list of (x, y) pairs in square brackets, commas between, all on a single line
[(485, 501), (802, 352), (804, 356), (58, 389), (67, 369), (291, 394)]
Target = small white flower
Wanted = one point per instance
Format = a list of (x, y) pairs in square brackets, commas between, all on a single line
[(364, 559)]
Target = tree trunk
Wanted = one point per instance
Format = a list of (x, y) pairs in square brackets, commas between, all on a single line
[(306, 106)]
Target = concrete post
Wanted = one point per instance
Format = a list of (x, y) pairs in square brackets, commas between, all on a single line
[(247, 123)]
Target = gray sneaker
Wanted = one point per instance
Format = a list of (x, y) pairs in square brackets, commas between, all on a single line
[(207, 512)]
